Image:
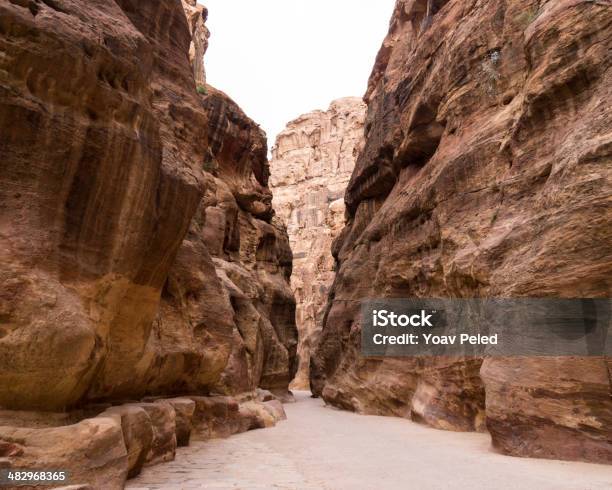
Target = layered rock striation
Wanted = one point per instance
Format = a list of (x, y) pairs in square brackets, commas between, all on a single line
[(312, 162), (101, 174), (139, 252), (151, 192), (249, 251), (485, 173)]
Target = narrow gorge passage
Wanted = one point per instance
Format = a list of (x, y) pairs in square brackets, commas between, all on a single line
[(319, 447), (407, 287)]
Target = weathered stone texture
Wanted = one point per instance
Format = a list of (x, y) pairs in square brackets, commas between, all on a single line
[(122, 185), (100, 176), (196, 18), (485, 172), (249, 250), (107, 448), (92, 451), (139, 253), (312, 162)]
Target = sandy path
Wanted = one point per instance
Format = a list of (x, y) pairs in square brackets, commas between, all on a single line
[(323, 448)]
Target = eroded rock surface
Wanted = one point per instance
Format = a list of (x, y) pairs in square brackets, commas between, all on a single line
[(103, 450), (196, 17), (137, 435), (101, 174), (312, 162), (120, 185), (485, 172), (140, 258), (92, 451), (249, 249)]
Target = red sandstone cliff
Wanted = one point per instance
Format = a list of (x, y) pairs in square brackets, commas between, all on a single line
[(108, 153), (312, 162), (139, 254), (486, 172), (250, 252), (100, 175)]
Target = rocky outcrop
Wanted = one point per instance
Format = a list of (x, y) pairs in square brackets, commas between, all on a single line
[(103, 450), (101, 173), (231, 277), (139, 254), (151, 191), (485, 172), (91, 451), (196, 18), (312, 162)]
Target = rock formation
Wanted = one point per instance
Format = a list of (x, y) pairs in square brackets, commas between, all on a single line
[(102, 446), (101, 173), (250, 253), (485, 172), (196, 19), (311, 165), (146, 183), (139, 252)]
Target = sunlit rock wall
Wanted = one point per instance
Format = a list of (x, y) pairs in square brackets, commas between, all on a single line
[(311, 165), (196, 19)]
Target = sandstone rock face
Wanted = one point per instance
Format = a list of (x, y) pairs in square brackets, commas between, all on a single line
[(102, 450), (485, 172), (163, 424), (184, 409), (92, 451), (139, 254), (250, 252), (222, 416), (196, 18), (313, 159), (137, 435), (100, 176)]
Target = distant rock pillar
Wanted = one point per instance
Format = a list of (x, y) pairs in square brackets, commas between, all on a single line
[(196, 17)]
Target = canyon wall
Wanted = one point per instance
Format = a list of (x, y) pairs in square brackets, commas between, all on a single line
[(101, 174), (136, 226), (139, 253), (250, 252), (312, 162), (485, 173)]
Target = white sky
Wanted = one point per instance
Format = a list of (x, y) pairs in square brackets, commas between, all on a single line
[(279, 59)]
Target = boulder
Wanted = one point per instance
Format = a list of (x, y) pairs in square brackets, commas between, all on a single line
[(92, 451), (184, 409), (137, 435), (163, 424)]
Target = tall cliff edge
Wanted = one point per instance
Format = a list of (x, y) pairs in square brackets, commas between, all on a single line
[(485, 172), (312, 162), (140, 259)]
